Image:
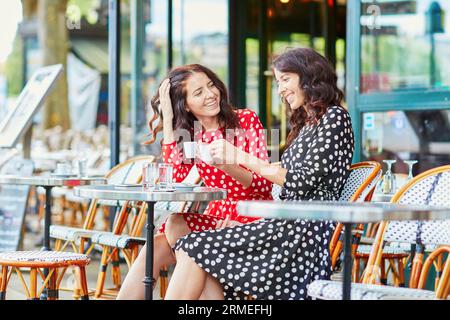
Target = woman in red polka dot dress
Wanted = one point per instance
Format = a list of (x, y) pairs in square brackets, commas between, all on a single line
[(193, 103), (249, 140)]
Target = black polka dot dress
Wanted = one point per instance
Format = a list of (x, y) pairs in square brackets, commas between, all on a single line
[(278, 259)]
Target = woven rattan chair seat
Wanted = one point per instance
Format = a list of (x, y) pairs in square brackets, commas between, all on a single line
[(69, 233), (42, 259), (116, 241), (364, 250), (332, 290)]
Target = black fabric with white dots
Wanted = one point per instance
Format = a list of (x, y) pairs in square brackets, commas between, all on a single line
[(278, 259)]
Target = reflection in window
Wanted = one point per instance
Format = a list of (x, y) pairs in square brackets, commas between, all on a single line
[(201, 34), (154, 70), (407, 135), (405, 45)]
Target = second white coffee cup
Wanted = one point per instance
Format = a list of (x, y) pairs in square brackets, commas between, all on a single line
[(205, 153), (189, 149)]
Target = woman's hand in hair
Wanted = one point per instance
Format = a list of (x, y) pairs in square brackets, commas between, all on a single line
[(165, 102)]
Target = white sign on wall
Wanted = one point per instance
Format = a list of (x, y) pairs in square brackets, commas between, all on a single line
[(30, 100)]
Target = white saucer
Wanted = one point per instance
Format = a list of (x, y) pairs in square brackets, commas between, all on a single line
[(60, 175)]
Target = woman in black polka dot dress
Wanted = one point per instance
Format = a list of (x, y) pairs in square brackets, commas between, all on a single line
[(277, 259)]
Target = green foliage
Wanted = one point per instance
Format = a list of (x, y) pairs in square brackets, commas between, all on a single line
[(78, 9), (14, 68), (399, 56)]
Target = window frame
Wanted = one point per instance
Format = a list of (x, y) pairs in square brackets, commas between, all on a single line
[(407, 100)]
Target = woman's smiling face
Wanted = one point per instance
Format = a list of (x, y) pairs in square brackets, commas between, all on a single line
[(289, 88), (202, 96)]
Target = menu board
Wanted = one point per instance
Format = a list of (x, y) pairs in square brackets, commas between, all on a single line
[(13, 205), (31, 98)]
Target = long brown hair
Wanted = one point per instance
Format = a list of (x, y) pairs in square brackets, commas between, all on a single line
[(182, 119), (318, 81)]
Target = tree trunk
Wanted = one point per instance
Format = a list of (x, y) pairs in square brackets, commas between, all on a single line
[(29, 8), (54, 41)]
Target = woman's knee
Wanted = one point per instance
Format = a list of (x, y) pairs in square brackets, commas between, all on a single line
[(176, 227)]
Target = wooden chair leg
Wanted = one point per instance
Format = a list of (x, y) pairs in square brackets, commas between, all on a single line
[(115, 269), (33, 284), (163, 281), (52, 290), (356, 270), (77, 284), (41, 210), (438, 267), (3, 282), (383, 278), (83, 283), (416, 270), (58, 244), (444, 284), (401, 272), (102, 273)]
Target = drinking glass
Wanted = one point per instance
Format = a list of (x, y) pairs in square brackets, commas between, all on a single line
[(82, 167), (149, 175), (165, 173), (389, 183), (410, 164)]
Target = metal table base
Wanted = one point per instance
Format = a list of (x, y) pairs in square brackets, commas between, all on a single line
[(150, 198)]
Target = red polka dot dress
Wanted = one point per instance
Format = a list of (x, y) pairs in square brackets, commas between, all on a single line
[(250, 138)]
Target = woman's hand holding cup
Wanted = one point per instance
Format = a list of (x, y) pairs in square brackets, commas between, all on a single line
[(223, 152)]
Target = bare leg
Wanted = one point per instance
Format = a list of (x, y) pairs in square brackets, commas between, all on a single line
[(188, 279), (213, 290), (133, 287)]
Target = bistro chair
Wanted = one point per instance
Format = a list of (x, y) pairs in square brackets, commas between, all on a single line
[(428, 188), (128, 172), (117, 242), (359, 187), (393, 255), (65, 201), (55, 262), (110, 244), (128, 245)]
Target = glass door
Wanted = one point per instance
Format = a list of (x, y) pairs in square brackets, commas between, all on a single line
[(278, 25)]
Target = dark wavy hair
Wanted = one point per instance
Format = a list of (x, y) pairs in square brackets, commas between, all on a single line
[(182, 119), (318, 81)]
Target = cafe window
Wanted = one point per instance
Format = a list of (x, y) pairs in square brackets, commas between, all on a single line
[(404, 45), (153, 69), (397, 81), (422, 135), (200, 30)]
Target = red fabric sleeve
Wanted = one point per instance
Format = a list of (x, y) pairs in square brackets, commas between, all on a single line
[(181, 167), (256, 146)]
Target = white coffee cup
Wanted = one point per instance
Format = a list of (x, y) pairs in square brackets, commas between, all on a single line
[(205, 153), (189, 149)]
